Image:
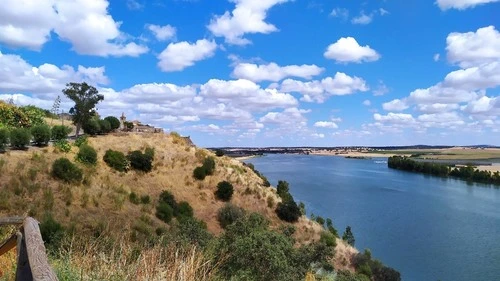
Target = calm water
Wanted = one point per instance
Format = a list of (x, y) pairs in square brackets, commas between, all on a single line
[(428, 228)]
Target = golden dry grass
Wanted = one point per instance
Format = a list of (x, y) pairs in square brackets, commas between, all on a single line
[(101, 201)]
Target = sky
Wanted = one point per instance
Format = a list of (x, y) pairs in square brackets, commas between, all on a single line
[(267, 72)]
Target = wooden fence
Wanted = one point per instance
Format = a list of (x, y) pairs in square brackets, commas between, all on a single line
[(32, 262)]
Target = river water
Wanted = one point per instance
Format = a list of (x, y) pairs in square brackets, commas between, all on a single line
[(427, 228)]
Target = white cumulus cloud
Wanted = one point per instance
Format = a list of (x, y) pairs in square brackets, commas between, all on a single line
[(247, 17), (461, 4), (162, 33), (178, 56), (326, 124), (274, 72), (347, 50), (474, 48)]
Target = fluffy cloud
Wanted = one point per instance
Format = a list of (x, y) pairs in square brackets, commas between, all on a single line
[(246, 94), (367, 103), (347, 50), (247, 17), (395, 105), (320, 90), (178, 56), (290, 118), (46, 80), (474, 48), (326, 124), (85, 24), (362, 18), (474, 78), (461, 4), (394, 118), (274, 72), (162, 33), (436, 107)]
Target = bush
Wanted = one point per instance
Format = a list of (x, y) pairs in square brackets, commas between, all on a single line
[(168, 197), (145, 199), (224, 191), (92, 127), (51, 231), (164, 212), (116, 160), (219, 153), (183, 209), (4, 138), (81, 140), (288, 211), (283, 189), (41, 134), (87, 155), (64, 170), (199, 173), (228, 214), (328, 238), (60, 132), (134, 199), (20, 138), (209, 166), (113, 122), (105, 126), (140, 161), (62, 145)]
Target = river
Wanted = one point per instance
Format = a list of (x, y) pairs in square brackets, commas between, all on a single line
[(428, 228)]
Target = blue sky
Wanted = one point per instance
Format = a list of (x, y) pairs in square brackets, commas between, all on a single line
[(267, 72)]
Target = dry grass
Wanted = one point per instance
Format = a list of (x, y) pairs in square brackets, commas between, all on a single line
[(101, 202)]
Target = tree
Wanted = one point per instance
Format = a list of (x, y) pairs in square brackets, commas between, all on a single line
[(113, 121), (283, 189), (348, 236), (55, 107), (85, 97)]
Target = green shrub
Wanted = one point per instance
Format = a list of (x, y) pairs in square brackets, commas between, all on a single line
[(164, 212), (116, 160), (64, 170), (41, 134), (319, 220), (51, 231), (60, 132), (199, 173), (113, 122), (4, 138), (283, 189), (87, 155), (62, 145), (328, 238), (145, 199), (183, 209), (224, 191), (133, 198), (105, 126), (92, 127), (219, 153), (329, 226), (209, 166), (288, 211), (191, 231), (81, 140), (228, 214), (20, 138), (168, 197), (140, 161)]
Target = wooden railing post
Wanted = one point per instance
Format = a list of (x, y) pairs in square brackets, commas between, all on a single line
[(37, 255)]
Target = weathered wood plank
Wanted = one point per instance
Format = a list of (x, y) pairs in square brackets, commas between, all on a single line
[(8, 244), (11, 220), (23, 270), (37, 256)]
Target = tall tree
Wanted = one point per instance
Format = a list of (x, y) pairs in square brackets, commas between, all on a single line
[(348, 236), (85, 97)]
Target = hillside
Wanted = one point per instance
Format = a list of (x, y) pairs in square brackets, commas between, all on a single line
[(101, 202)]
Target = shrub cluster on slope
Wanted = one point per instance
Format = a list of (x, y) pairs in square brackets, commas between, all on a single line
[(64, 170), (168, 208), (207, 169)]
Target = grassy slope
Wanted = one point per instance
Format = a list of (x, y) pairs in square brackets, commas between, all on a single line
[(26, 187)]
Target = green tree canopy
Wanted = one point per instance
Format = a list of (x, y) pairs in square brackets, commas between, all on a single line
[(85, 97)]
